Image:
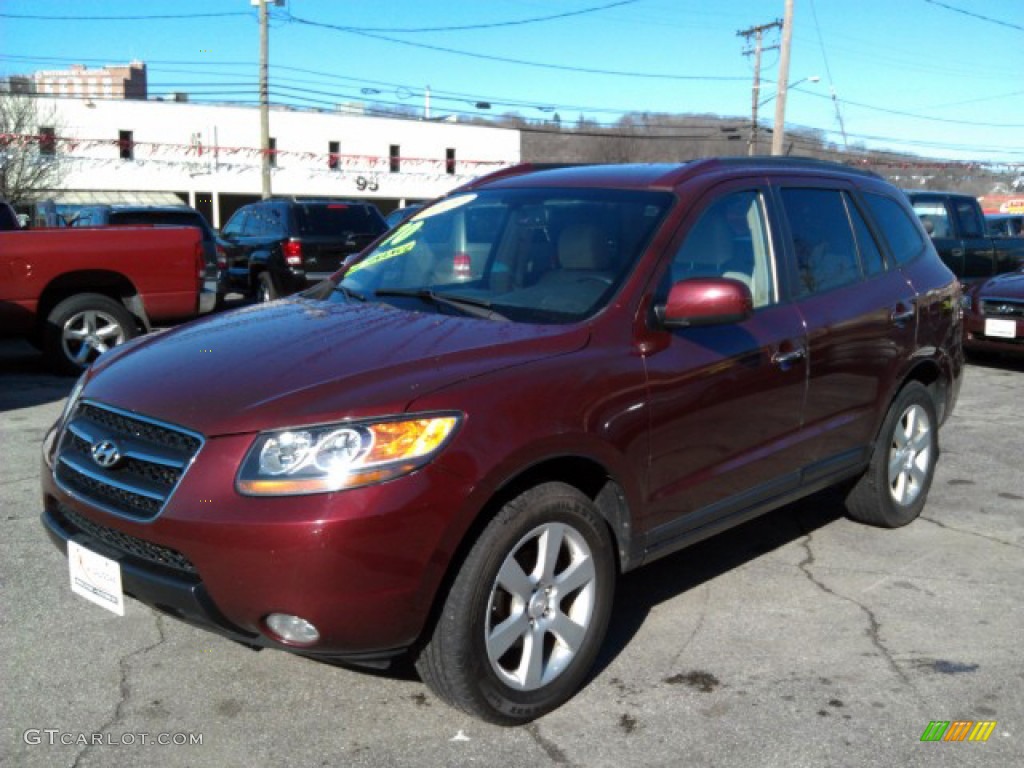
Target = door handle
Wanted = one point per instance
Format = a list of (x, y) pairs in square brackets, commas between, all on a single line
[(786, 359), (958, 252)]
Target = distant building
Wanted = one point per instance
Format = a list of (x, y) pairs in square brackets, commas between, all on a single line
[(209, 156), (115, 82), (21, 84)]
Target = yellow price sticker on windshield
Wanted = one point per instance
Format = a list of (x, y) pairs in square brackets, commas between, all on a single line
[(377, 258)]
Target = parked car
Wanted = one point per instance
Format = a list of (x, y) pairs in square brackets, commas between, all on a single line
[(994, 315), (161, 215), (76, 293), (399, 215), (1005, 224), (280, 246), (452, 448), (957, 227)]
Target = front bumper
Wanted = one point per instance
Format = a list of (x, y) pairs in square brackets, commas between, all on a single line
[(363, 565), (976, 340)]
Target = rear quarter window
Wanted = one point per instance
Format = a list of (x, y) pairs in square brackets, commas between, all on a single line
[(905, 240)]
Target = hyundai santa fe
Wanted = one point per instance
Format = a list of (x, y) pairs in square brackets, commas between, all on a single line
[(452, 448)]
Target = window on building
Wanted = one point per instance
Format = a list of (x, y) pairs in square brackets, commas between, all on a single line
[(333, 150), (449, 160), (395, 158), (272, 152), (47, 140), (126, 145)]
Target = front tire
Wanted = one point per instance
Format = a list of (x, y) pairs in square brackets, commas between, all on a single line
[(893, 490), (81, 328), (528, 610)]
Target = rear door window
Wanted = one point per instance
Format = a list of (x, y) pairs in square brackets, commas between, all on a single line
[(871, 258), (822, 239)]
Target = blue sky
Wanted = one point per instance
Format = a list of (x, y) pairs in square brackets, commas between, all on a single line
[(939, 78)]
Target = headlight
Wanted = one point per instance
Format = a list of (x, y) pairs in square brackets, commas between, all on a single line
[(333, 457), (965, 302), (50, 440), (73, 398)]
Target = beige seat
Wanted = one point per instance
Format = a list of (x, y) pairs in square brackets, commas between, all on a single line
[(584, 253)]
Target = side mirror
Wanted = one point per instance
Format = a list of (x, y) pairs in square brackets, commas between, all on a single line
[(705, 301)]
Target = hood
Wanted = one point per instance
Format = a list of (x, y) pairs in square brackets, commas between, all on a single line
[(302, 361), (1006, 286)]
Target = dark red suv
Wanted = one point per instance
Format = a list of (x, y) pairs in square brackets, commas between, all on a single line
[(552, 376)]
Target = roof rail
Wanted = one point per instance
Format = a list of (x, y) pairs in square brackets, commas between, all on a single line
[(787, 161)]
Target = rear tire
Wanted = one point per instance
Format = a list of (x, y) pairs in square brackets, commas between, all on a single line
[(528, 610), (893, 490), (81, 328), (265, 290)]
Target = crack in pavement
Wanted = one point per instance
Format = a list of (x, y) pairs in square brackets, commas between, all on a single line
[(970, 533), (124, 688), (706, 588), (552, 750), (5, 483), (874, 626)]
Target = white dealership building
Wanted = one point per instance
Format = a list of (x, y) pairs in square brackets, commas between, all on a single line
[(209, 156)]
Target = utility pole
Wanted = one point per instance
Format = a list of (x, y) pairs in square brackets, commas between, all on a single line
[(778, 136), (264, 99), (758, 48)]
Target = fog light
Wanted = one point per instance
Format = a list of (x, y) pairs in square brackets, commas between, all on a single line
[(292, 629)]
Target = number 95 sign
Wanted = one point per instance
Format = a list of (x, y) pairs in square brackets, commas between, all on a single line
[(363, 184)]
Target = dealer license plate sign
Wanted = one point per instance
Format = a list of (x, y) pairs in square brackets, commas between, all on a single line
[(96, 578), (1001, 329)]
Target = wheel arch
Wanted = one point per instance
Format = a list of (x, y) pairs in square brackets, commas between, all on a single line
[(927, 372), (586, 474), (105, 282)]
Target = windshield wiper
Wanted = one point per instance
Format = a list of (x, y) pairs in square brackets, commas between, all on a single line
[(467, 305), (349, 293)]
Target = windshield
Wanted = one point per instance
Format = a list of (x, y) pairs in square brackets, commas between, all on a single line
[(540, 256)]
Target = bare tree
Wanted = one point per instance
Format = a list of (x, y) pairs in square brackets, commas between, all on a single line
[(30, 165)]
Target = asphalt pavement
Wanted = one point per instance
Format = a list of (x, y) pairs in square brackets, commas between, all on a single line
[(800, 639)]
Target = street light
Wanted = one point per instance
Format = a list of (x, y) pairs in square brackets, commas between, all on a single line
[(752, 144)]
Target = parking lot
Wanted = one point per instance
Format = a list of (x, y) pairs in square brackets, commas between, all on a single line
[(800, 639)]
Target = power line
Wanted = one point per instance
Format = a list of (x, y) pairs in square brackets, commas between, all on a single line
[(148, 17), (946, 120), (828, 73), (520, 62), (953, 8), (493, 25)]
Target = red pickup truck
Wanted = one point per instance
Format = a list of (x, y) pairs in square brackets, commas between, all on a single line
[(77, 292)]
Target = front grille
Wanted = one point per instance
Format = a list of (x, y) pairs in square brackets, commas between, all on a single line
[(150, 431), (1008, 308), (151, 458), (74, 523)]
